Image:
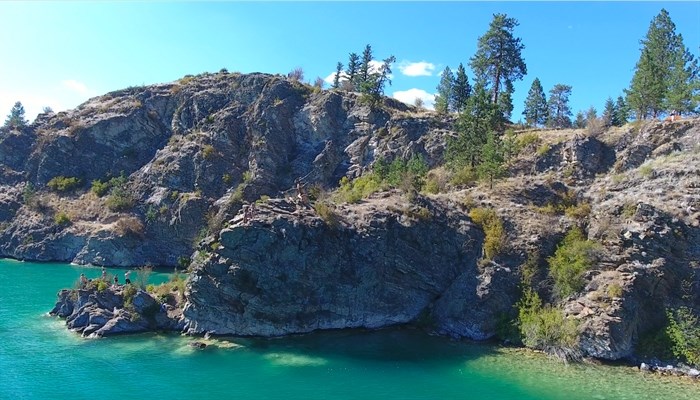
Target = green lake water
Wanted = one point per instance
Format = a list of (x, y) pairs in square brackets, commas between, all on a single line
[(40, 359)]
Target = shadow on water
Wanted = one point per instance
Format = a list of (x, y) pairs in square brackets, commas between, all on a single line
[(402, 345)]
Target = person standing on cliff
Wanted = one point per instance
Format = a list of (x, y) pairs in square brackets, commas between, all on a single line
[(104, 274), (83, 281), (127, 276)]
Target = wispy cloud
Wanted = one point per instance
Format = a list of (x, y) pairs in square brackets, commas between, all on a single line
[(76, 86), (421, 68), (409, 97)]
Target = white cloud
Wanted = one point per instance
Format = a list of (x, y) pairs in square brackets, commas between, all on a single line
[(76, 86), (409, 97), (421, 68)]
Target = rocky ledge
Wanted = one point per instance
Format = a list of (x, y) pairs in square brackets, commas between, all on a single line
[(98, 311)]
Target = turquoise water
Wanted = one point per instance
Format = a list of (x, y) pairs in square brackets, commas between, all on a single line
[(40, 359)]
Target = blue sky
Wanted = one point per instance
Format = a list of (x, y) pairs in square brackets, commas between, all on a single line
[(59, 54)]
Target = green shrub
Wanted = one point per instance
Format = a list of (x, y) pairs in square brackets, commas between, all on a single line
[(28, 194), (494, 232), (100, 188), (545, 328), (579, 211), (227, 179), (327, 214), (464, 176), (208, 152), (527, 140), (63, 184), (102, 285), (129, 292), (151, 214), (574, 256), (120, 199), (684, 332), (655, 343), (615, 290), (543, 149), (61, 218), (646, 171), (357, 189)]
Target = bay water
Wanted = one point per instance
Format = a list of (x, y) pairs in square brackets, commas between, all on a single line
[(41, 359)]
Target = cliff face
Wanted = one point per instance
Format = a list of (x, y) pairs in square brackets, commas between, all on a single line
[(194, 151), (185, 148), (379, 264)]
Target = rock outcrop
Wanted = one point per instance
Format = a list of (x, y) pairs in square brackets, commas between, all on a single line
[(115, 310), (370, 265)]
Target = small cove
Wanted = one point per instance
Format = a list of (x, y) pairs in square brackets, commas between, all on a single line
[(40, 359)]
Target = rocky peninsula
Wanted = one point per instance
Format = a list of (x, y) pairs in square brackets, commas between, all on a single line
[(164, 175)]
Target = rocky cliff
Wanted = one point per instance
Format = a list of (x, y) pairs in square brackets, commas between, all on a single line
[(192, 153)]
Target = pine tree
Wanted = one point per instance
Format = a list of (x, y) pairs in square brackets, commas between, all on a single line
[(338, 74), (665, 76), (682, 82), (491, 166), (580, 122), (15, 119), (505, 103), (444, 94), (609, 116), (621, 111), (535, 105), (461, 90), (591, 115), (498, 58), (474, 123), (363, 77), (559, 110), (353, 66)]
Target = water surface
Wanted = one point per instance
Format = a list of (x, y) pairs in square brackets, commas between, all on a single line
[(40, 359)]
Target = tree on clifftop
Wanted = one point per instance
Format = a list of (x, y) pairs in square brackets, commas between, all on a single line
[(498, 60), (444, 94), (559, 110), (535, 105), (665, 77), (460, 90), (15, 119)]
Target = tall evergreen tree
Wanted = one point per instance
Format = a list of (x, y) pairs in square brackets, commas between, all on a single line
[(444, 94), (682, 82), (559, 110), (338, 74), (591, 114), (353, 67), (664, 78), (364, 73), (474, 123), (609, 116), (535, 105), (505, 103), (621, 111), (580, 121), (15, 119), (461, 90), (498, 59)]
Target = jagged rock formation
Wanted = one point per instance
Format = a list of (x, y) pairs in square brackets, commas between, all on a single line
[(111, 311), (192, 151), (195, 150)]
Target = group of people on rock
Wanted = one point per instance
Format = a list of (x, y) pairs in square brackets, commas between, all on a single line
[(84, 280)]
